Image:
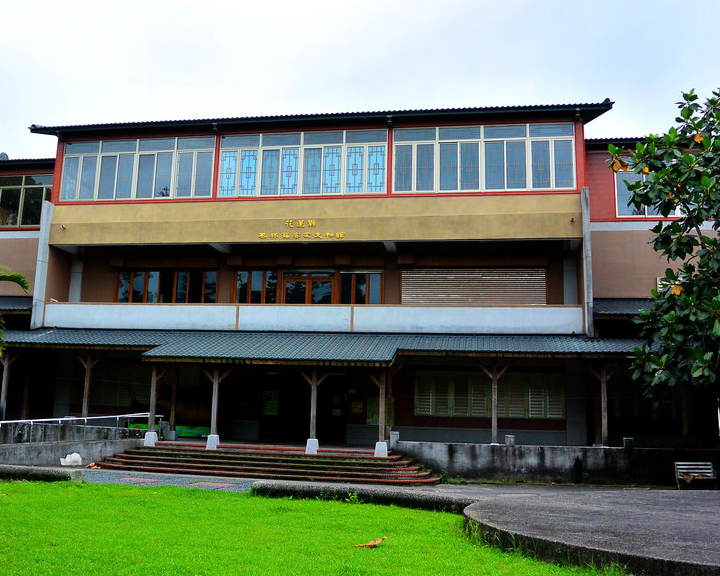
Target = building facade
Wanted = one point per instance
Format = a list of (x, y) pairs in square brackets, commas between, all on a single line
[(453, 275)]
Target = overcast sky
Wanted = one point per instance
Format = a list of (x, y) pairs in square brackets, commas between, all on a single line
[(79, 62)]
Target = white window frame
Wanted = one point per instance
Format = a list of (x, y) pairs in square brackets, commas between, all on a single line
[(528, 140), (261, 149), (175, 151)]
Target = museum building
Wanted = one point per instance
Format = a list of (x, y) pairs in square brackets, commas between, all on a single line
[(453, 275)]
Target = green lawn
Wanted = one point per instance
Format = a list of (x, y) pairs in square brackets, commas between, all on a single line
[(87, 529)]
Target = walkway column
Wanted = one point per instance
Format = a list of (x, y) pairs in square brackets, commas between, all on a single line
[(173, 400), (494, 376), (603, 376), (381, 449), (311, 446), (88, 364), (151, 436), (213, 439), (7, 359)]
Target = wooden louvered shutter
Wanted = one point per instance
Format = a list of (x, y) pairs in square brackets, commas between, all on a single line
[(480, 401), (461, 401), (442, 398), (474, 287), (423, 396)]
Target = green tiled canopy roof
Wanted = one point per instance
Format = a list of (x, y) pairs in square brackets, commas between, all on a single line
[(315, 347)]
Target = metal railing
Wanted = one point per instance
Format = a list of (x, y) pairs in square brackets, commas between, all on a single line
[(79, 421)]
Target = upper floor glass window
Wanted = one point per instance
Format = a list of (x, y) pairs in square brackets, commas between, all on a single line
[(21, 199), (624, 208), (307, 163), (485, 158), (140, 169)]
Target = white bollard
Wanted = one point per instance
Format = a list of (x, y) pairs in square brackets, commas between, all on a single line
[(212, 442), (381, 450), (150, 439), (311, 446)]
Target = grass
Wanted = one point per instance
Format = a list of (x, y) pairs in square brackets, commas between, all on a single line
[(85, 529)]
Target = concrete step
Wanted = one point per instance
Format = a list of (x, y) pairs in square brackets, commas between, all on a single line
[(275, 476), (312, 472), (347, 466), (323, 460), (264, 461)]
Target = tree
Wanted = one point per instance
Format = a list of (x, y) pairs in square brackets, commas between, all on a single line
[(7, 275), (679, 175)]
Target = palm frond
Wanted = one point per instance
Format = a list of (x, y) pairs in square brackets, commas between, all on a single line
[(7, 275)]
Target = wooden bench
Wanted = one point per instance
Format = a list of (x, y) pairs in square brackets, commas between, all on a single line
[(687, 472)]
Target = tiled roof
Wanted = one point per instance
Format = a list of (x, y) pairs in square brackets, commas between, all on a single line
[(620, 306), (316, 347), (15, 303)]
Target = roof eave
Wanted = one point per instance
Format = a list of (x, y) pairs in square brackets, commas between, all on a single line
[(584, 112)]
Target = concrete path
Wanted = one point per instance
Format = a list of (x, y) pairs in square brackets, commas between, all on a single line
[(655, 532)]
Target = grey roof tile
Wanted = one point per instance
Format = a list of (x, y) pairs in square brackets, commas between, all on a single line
[(314, 347), (15, 303), (620, 306)]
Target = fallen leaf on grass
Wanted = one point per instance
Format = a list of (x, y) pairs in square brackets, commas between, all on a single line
[(371, 544)]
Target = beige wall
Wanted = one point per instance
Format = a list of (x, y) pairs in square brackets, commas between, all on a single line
[(58, 275), (20, 254), (624, 264), (507, 216)]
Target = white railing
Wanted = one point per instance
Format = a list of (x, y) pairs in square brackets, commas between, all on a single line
[(76, 420)]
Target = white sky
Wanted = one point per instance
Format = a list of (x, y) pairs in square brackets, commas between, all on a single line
[(79, 62)]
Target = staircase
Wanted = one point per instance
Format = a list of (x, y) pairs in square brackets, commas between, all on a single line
[(272, 462)]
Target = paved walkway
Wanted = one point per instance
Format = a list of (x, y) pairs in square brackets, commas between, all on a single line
[(658, 532)]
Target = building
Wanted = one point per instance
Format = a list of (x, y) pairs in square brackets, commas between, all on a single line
[(448, 275)]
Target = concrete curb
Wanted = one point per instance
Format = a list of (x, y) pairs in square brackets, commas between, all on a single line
[(41, 473), (406, 498), (559, 552)]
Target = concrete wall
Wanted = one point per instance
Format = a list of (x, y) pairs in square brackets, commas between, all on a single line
[(480, 436), (406, 319), (49, 453), (526, 215), (18, 250), (579, 464)]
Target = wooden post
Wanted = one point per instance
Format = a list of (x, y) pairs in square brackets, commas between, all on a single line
[(88, 364), (173, 400), (215, 378), (494, 376), (314, 382), (381, 406), (381, 383), (7, 359), (604, 404), (604, 375), (152, 410)]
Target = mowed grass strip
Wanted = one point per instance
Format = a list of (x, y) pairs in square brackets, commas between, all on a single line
[(86, 529)]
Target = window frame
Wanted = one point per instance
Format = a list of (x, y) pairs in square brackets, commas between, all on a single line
[(262, 150), (176, 151), (646, 213), (482, 140), (23, 188), (308, 276), (518, 395), (160, 272)]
